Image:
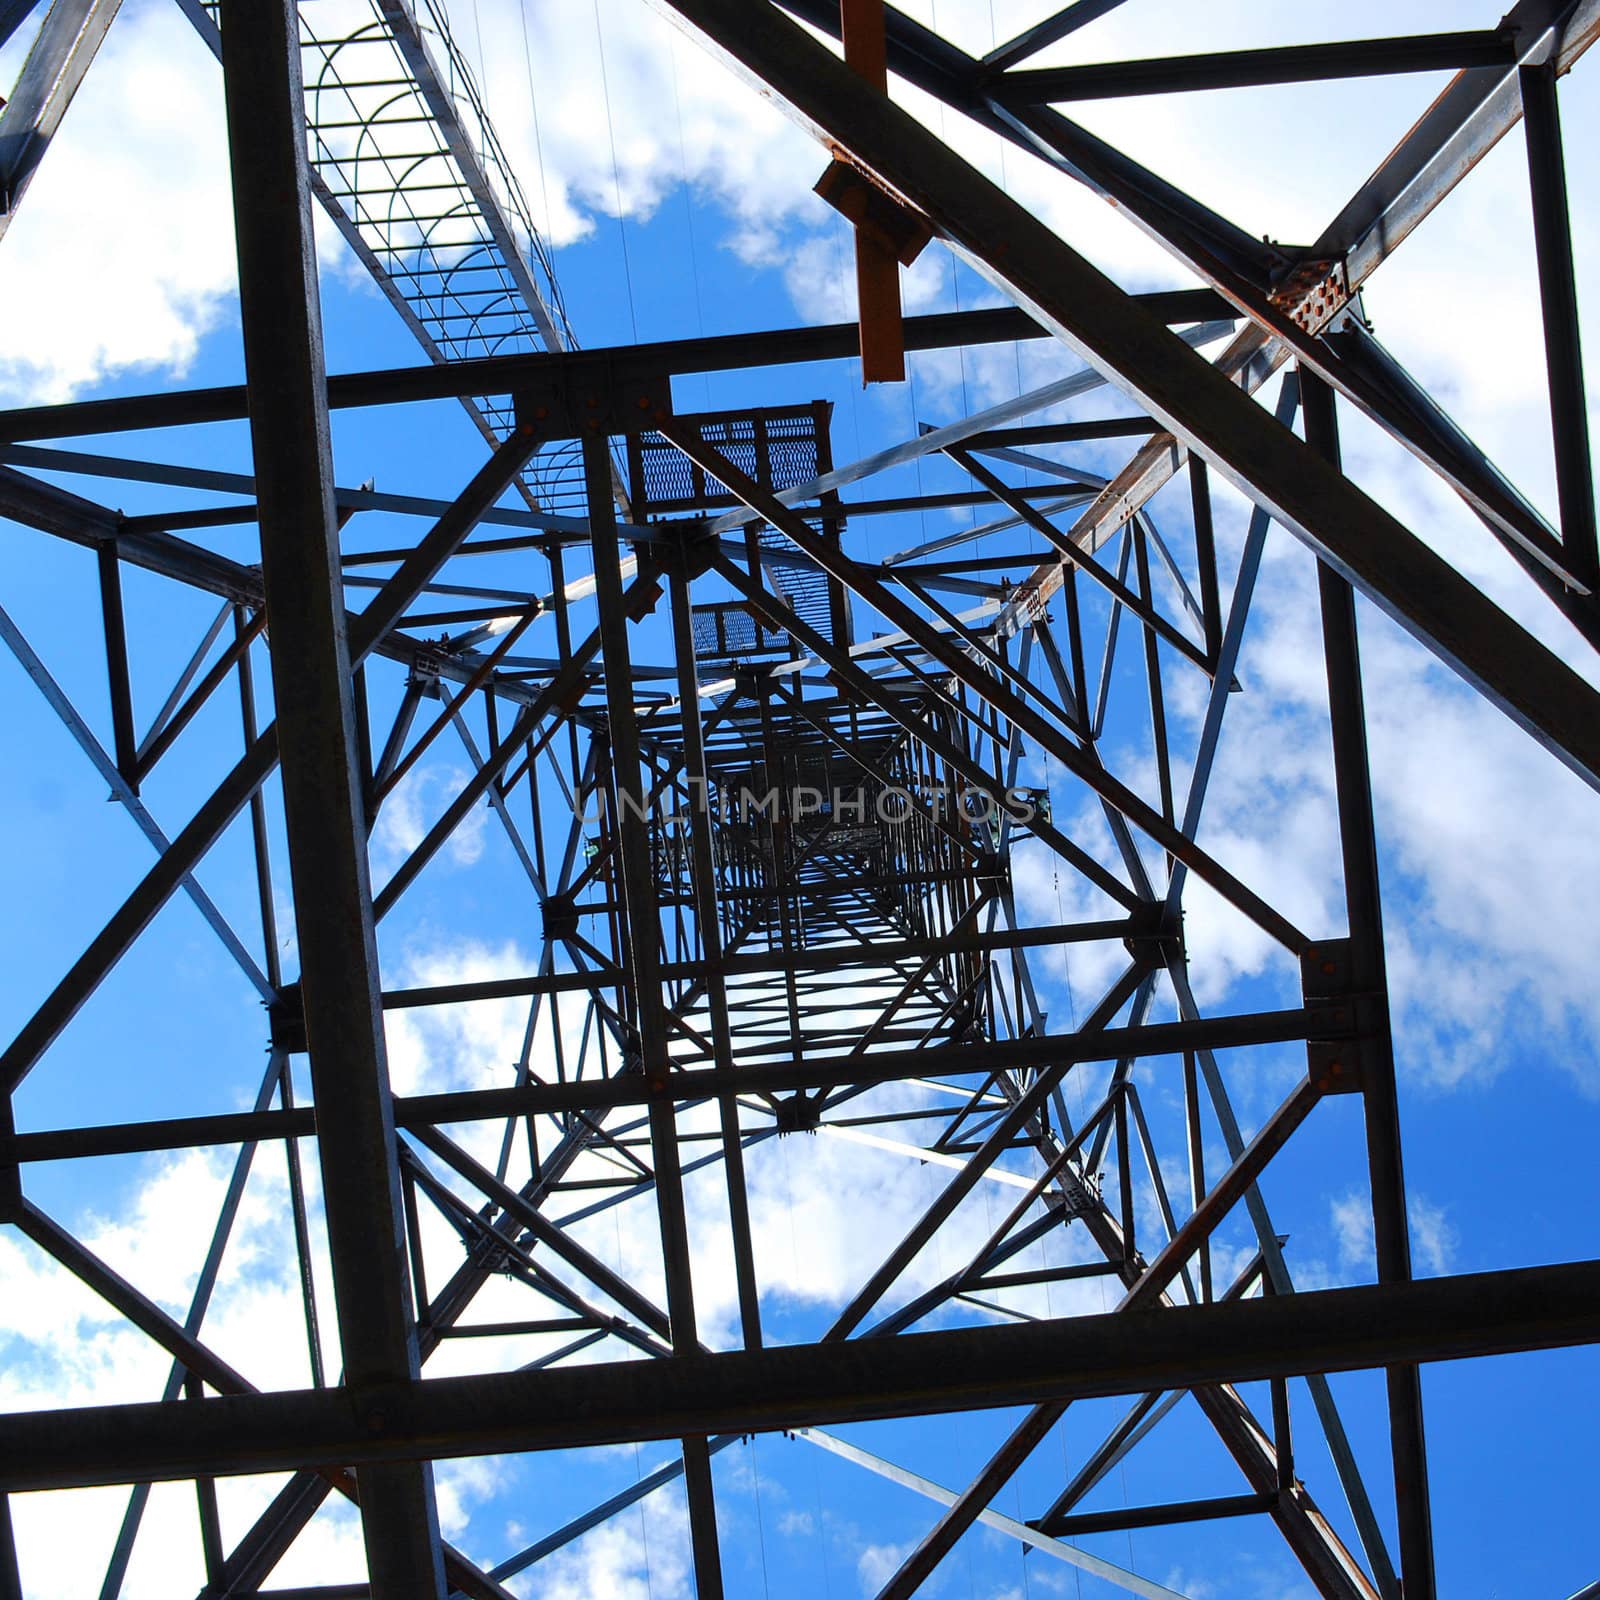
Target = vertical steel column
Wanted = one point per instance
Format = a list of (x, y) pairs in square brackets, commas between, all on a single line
[(124, 745), (323, 806), (1363, 900), (10, 1577), (635, 881), (711, 948), (883, 355), (1558, 292), (1205, 553)]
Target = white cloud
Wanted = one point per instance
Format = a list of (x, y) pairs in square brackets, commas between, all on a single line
[(878, 1563), (1433, 1236), (467, 1046), (1352, 1228), (415, 804), (121, 256), (64, 1346), (641, 1555)]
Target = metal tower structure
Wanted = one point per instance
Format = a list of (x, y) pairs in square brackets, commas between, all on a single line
[(773, 879)]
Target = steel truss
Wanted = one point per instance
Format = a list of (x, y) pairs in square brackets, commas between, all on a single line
[(774, 877)]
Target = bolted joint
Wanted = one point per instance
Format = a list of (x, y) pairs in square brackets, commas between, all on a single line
[(696, 547), (883, 217), (10, 1171), (644, 593), (1076, 1197), (561, 407), (490, 1254), (286, 1021), (1312, 294), (560, 912), (1154, 939), (1347, 1018), (994, 868), (799, 1113), (1325, 971), (425, 675), (631, 1047), (1334, 1065)]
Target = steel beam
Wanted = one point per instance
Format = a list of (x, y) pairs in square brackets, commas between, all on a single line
[(813, 1071), (600, 365), (68, 39), (787, 1387), (1558, 290), (372, 630), (642, 943), (1238, 69), (1198, 404), (1368, 976), (324, 812), (1032, 40), (1146, 1290)]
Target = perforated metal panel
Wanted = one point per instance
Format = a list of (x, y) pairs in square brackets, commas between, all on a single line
[(778, 448), (727, 629)]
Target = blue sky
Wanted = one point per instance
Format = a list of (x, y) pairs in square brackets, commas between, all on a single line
[(1488, 855)]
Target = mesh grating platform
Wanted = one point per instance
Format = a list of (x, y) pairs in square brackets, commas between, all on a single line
[(728, 629), (779, 448)]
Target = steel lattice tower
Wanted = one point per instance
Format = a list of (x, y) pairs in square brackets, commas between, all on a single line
[(774, 881)]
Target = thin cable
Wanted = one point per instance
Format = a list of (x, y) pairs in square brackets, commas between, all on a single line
[(644, 1525), (822, 1528), (842, 267), (688, 217), (533, 106), (477, 34), (1005, 186), (761, 1531), (638, 1465), (616, 173), (916, 423), (1022, 1549)]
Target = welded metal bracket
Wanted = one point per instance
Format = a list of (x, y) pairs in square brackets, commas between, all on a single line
[(884, 218), (565, 406), (1335, 1057)]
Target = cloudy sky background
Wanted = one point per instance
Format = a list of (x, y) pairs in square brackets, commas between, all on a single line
[(118, 276)]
